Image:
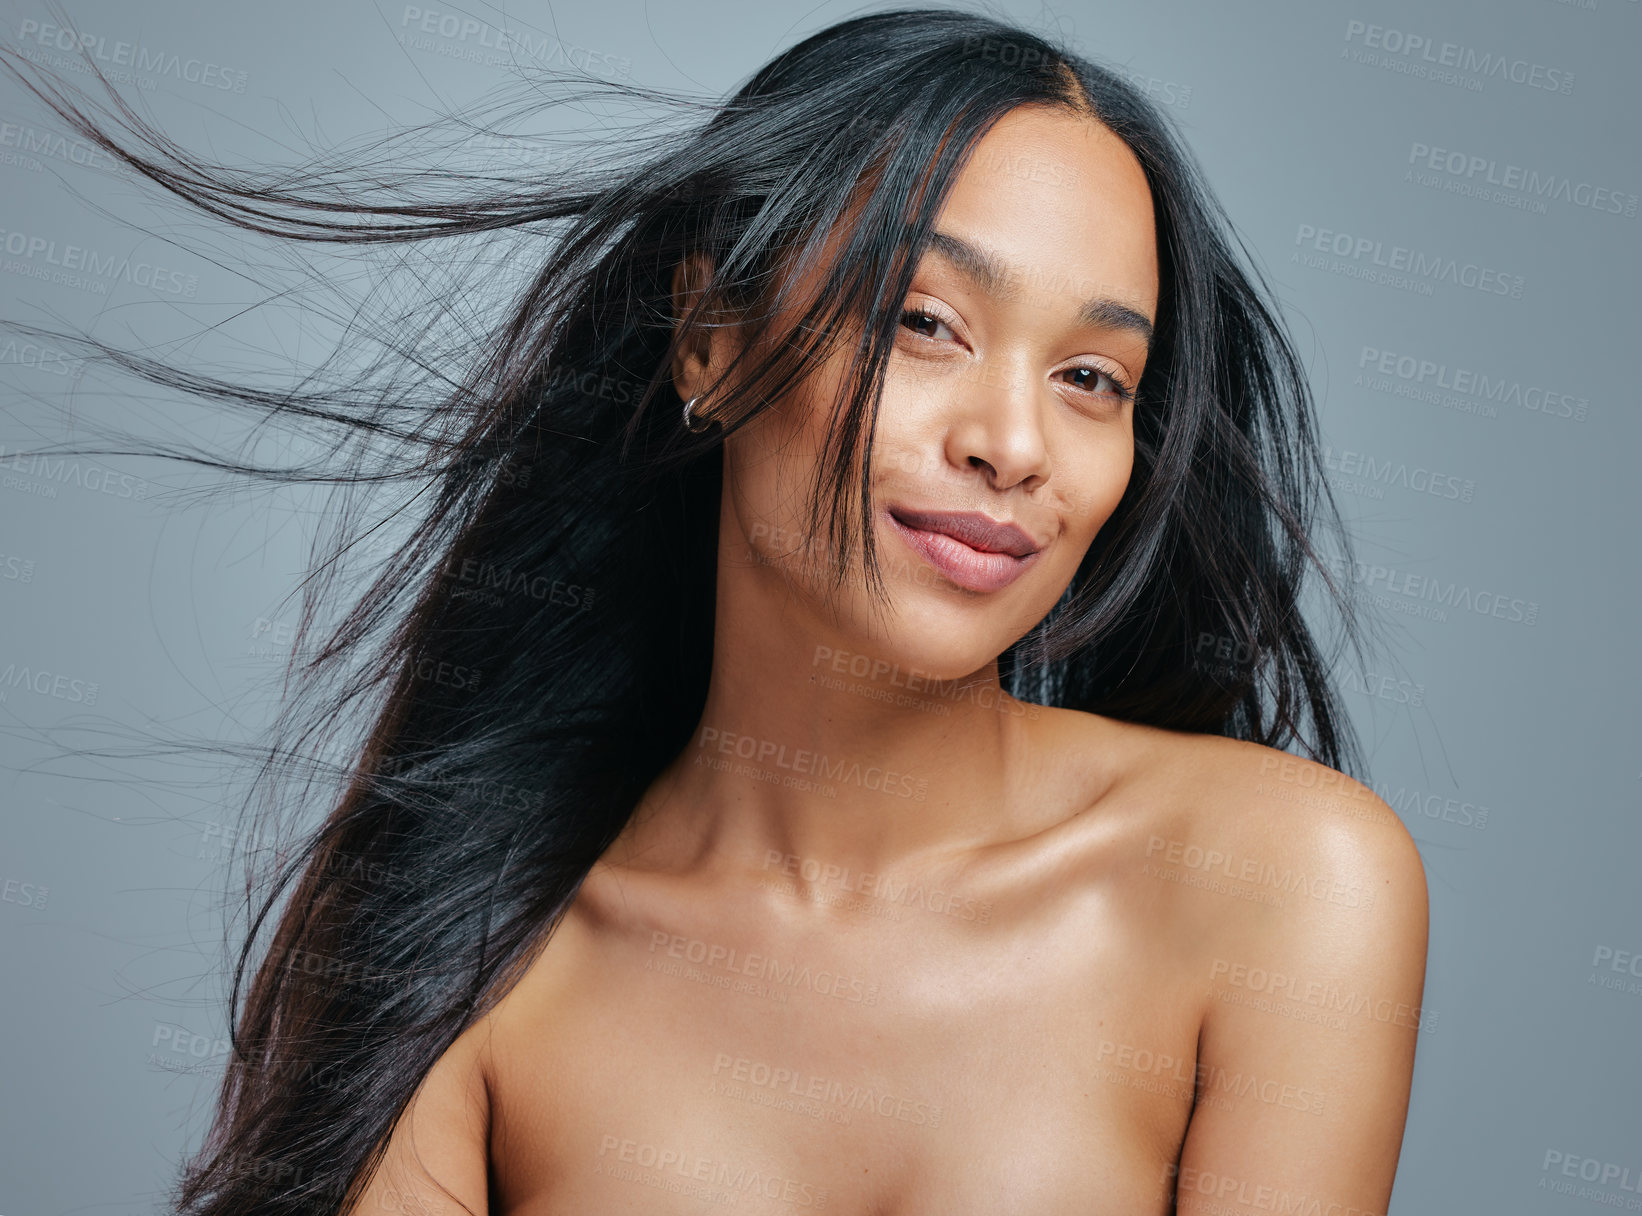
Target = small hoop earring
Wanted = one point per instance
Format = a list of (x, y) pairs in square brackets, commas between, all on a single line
[(693, 423)]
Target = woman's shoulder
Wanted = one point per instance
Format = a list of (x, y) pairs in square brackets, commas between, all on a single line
[(1199, 816)]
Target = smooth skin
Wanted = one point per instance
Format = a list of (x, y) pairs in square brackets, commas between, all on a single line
[(987, 956)]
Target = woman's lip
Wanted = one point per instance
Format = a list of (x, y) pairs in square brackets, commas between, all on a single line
[(974, 528), (969, 568)]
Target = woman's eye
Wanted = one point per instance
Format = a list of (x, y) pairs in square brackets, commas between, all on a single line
[(1095, 375), (916, 318), (1090, 379)]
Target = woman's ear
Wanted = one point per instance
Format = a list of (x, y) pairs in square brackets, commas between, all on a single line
[(710, 343)]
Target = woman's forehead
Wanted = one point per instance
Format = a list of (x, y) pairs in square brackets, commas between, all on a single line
[(1058, 201), (1055, 197)]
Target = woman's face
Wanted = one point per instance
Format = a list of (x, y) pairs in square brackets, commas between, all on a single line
[(1006, 417)]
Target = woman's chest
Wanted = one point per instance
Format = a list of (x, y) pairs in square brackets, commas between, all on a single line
[(899, 1070)]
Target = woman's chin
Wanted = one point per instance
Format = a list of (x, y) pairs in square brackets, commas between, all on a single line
[(932, 641)]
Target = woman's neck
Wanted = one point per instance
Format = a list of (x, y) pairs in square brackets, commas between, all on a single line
[(810, 746)]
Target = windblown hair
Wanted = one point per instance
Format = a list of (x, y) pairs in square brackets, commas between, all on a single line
[(515, 728)]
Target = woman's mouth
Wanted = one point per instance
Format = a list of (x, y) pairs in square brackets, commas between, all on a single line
[(973, 551)]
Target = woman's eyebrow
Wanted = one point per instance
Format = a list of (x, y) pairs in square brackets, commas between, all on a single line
[(992, 275)]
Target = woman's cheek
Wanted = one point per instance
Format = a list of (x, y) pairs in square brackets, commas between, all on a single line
[(1103, 486)]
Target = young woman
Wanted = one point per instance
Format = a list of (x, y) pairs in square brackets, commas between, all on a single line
[(827, 755)]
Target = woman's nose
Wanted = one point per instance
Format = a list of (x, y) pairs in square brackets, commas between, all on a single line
[(997, 426)]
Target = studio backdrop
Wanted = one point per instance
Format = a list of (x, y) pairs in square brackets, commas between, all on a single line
[(1443, 197)]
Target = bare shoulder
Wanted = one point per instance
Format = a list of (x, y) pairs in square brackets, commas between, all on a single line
[(436, 1162), (1229, 833), (1287, 812), (1289, 903)]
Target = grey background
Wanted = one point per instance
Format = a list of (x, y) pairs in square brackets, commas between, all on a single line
[(109, 923)]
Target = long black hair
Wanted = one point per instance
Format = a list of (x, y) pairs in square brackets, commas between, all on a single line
[(539, 648)]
